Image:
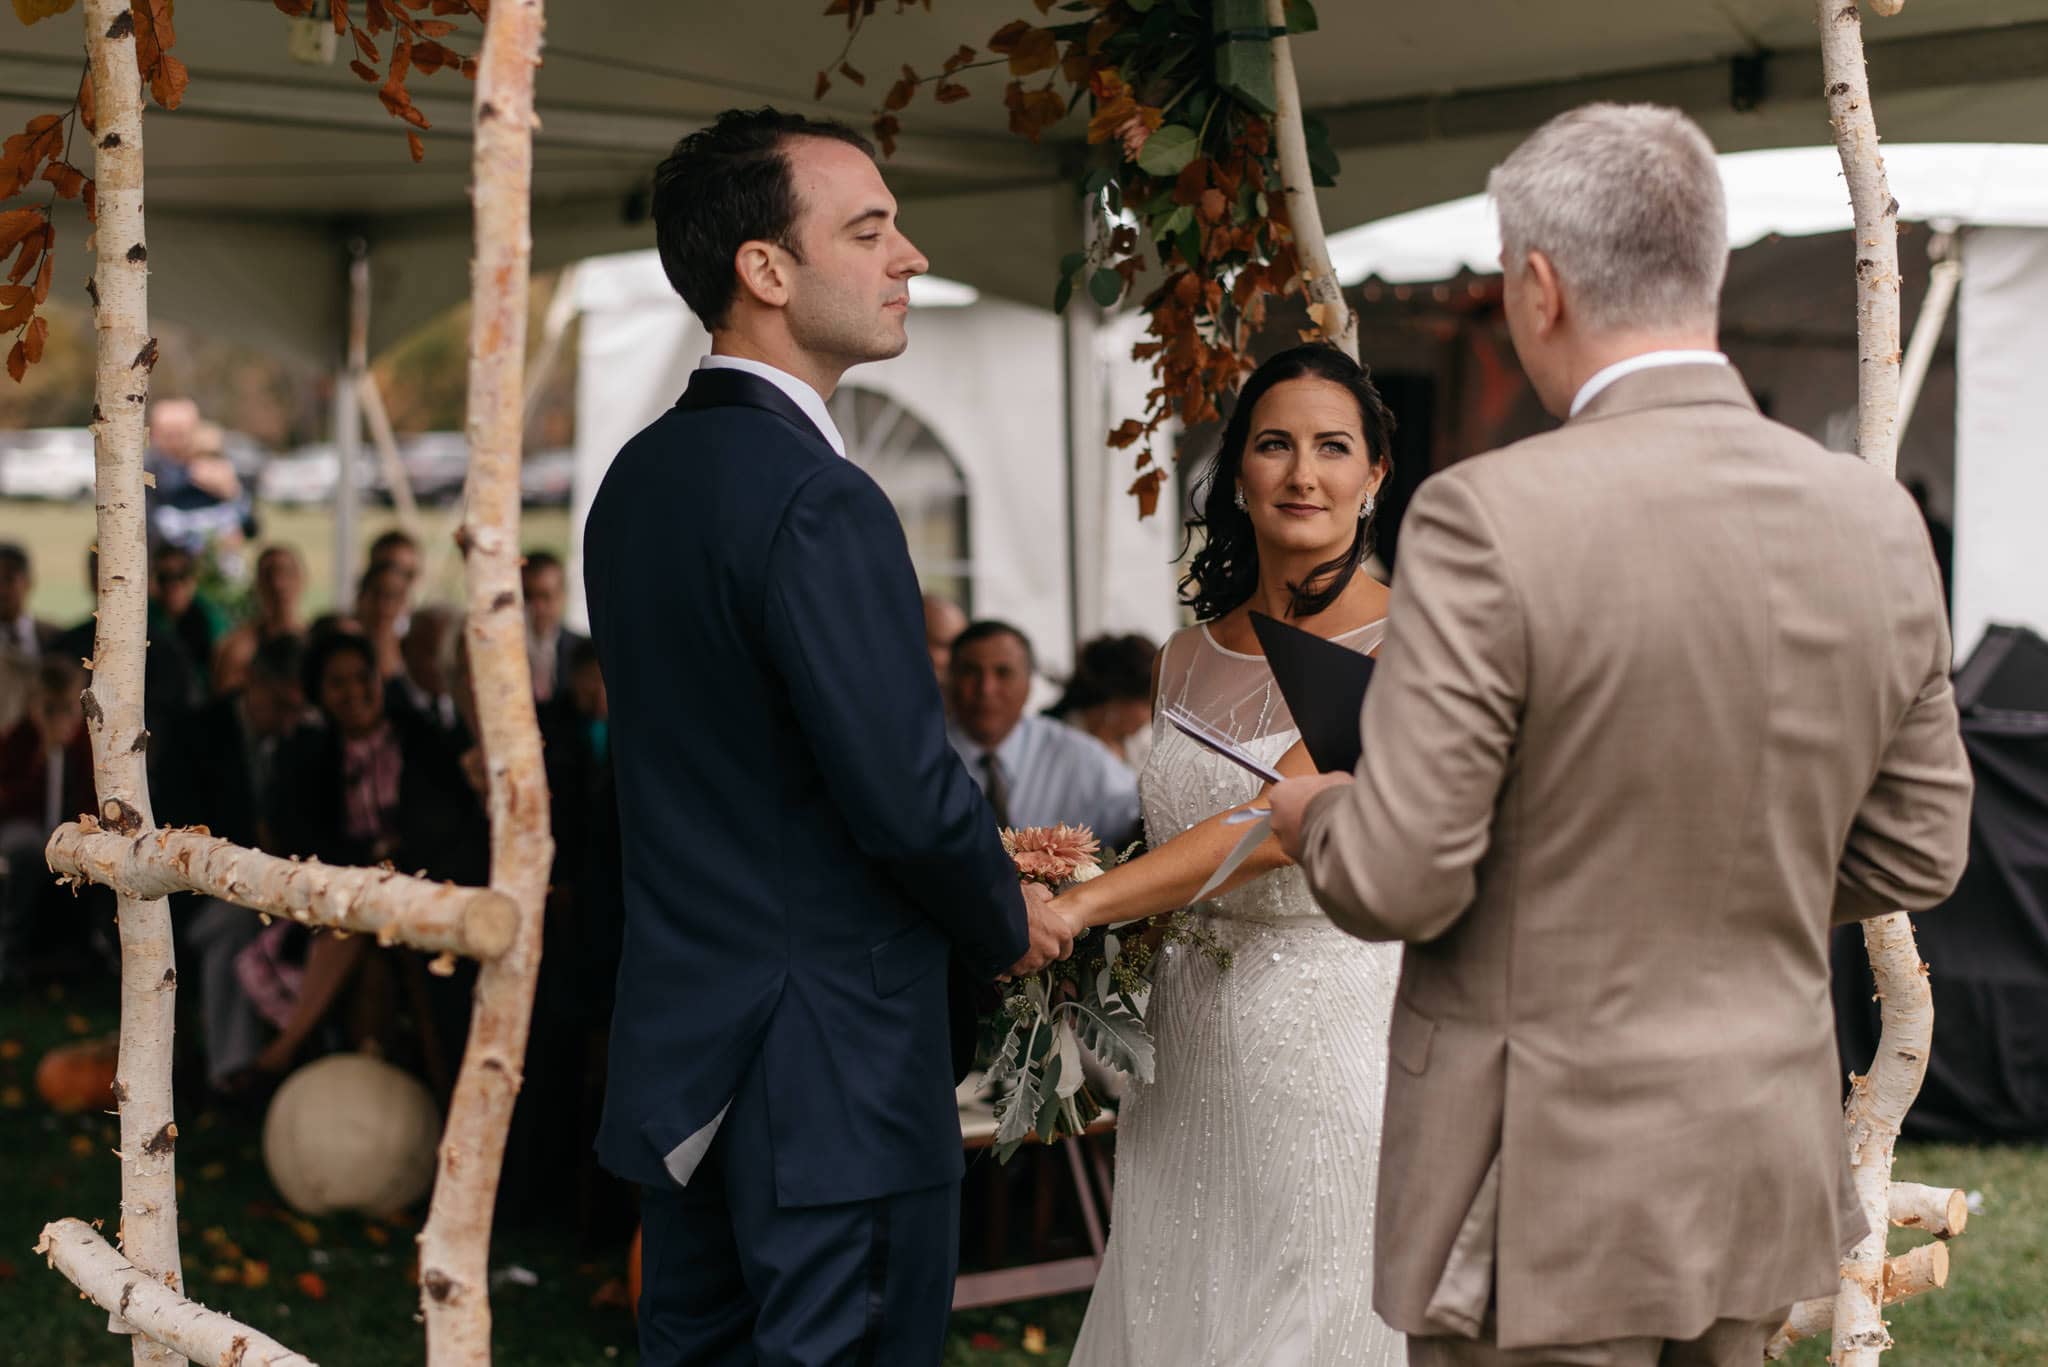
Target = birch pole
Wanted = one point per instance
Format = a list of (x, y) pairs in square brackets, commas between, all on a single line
[(113, 700), (1879, 1100), (1326, 306), (455, 1244)]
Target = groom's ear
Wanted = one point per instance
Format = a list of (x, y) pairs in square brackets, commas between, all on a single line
[(761, 270)]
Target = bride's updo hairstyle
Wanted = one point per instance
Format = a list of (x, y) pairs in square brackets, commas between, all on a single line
[(1225, 570)]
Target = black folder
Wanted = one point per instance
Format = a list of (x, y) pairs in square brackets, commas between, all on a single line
[(1324, 685)]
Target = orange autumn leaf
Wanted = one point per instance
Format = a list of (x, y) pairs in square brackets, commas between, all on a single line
[(1146, 490), (32, 11), (67, 179), (311, 1285), (17, 362), (32, 341)]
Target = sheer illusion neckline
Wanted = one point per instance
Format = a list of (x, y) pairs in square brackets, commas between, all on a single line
[(1222, 649)]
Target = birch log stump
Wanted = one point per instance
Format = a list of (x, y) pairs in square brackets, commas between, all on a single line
[(1879, 1100), (455, 1245), (1326, 306), (113, 700)]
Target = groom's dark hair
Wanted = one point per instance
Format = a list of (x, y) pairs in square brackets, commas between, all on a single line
[(724, 185)]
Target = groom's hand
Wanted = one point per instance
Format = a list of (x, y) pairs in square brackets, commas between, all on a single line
[(1052, 933), (1289, 800)]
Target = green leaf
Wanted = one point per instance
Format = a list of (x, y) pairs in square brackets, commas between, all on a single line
[(1301, 16), (1073, 261), (1106, 287), (1168, 150), (1115, 1036), (1191, 243), (1181, 217), (1069, 1081), (1063, 294)]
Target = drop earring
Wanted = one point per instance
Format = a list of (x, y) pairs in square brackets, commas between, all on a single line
[(1365, 508), (1238, 499)]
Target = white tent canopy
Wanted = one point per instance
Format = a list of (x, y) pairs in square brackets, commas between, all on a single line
[(1788, 192), (270, 168)]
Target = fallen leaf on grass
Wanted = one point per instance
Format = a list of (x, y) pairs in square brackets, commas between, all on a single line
[(10, 1048), (255, 1272), (1034, 1340), (81, 1145), (213, 1172), (377, 1235), (308, 1232), (611, 1296), (985, 1342), (227, 1274), (77, 1024), (11, 1098), (8, 1271), (312, 1285)]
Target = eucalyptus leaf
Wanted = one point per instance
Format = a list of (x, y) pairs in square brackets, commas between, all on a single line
[(1322, 158), (1301, 16), (1006, 1058), (1106, 287), (1022, 1111), (1062, 294), (1070, 1060), (1091, 187), (1168, 151), (1072, 262)]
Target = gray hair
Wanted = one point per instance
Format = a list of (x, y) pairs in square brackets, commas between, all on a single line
[(1626, 201)]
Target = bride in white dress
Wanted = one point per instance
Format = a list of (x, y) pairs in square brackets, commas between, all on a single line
[(1241, 1231)]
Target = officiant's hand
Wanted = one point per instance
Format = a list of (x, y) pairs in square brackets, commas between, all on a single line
[(1052, 931), (1290, 799)]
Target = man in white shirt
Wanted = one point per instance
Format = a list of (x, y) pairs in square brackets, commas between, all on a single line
[(1035, 771)]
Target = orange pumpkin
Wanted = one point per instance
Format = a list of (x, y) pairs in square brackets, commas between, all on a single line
[(79, 1077), (633, 1272)]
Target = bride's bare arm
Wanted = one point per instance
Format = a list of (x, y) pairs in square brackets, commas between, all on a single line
[(1165, 878)]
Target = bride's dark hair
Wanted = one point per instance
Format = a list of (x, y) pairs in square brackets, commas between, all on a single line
[(1225, 571)]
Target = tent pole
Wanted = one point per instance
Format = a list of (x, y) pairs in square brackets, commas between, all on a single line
[(1085, 425), (1941, 292), (348, 424)]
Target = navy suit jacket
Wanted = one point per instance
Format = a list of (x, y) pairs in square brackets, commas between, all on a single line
[(802, 849)]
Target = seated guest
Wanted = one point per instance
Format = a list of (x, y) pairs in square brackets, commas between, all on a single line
[(177, 608), (548, 642), (555, 1123), (1035, 771), (279, 584), (367, 785), (170, 682), (218, 771), (382, 603), (23, 639), (1109, 695), (399, 548), (46, 779), (943, 623), (429, 654)]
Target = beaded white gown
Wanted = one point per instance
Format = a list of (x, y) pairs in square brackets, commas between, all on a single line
[(1241, 1229)]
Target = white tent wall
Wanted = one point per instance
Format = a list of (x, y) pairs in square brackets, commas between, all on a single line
[(987, 380), (2001, 479)]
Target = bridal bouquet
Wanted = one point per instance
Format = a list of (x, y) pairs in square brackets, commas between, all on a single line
[(1094, 998)]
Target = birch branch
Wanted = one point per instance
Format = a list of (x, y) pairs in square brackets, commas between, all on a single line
[(455, 1245), (124, 1291), (1941, 1211), (1877, 231), (1922, 1269), (1326, 304), (396, 908), (126, 354), (1877, 1104)]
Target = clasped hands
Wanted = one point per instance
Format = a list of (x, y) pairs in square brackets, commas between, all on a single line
[(1289, 800), (1053, 931)]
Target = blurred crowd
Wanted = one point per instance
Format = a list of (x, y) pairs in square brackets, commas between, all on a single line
[(352, 738)]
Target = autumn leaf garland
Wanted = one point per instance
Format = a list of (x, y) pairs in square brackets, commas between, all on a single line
[(1184, 164)]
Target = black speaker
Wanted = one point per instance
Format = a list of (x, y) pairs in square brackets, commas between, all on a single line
[(2007, 672)]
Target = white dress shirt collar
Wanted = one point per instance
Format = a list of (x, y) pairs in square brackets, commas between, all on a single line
[(21, 633), (800, 393), (1649, 360)]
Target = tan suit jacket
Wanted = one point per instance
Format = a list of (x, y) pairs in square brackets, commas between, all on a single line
[(1662, 692)]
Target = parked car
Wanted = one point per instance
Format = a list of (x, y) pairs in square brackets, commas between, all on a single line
[(311, 473), (46, 462), (436, 463), (546, 477)]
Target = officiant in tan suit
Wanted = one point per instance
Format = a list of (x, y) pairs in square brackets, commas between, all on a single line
[(1664, 693)]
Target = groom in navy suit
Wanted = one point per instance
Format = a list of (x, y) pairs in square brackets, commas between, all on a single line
[(803, 851)]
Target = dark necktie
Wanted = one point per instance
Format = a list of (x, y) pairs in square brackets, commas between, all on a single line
[(997, 787)]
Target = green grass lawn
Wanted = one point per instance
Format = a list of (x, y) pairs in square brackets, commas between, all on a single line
[(1993, 1312), (55, 1166)]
